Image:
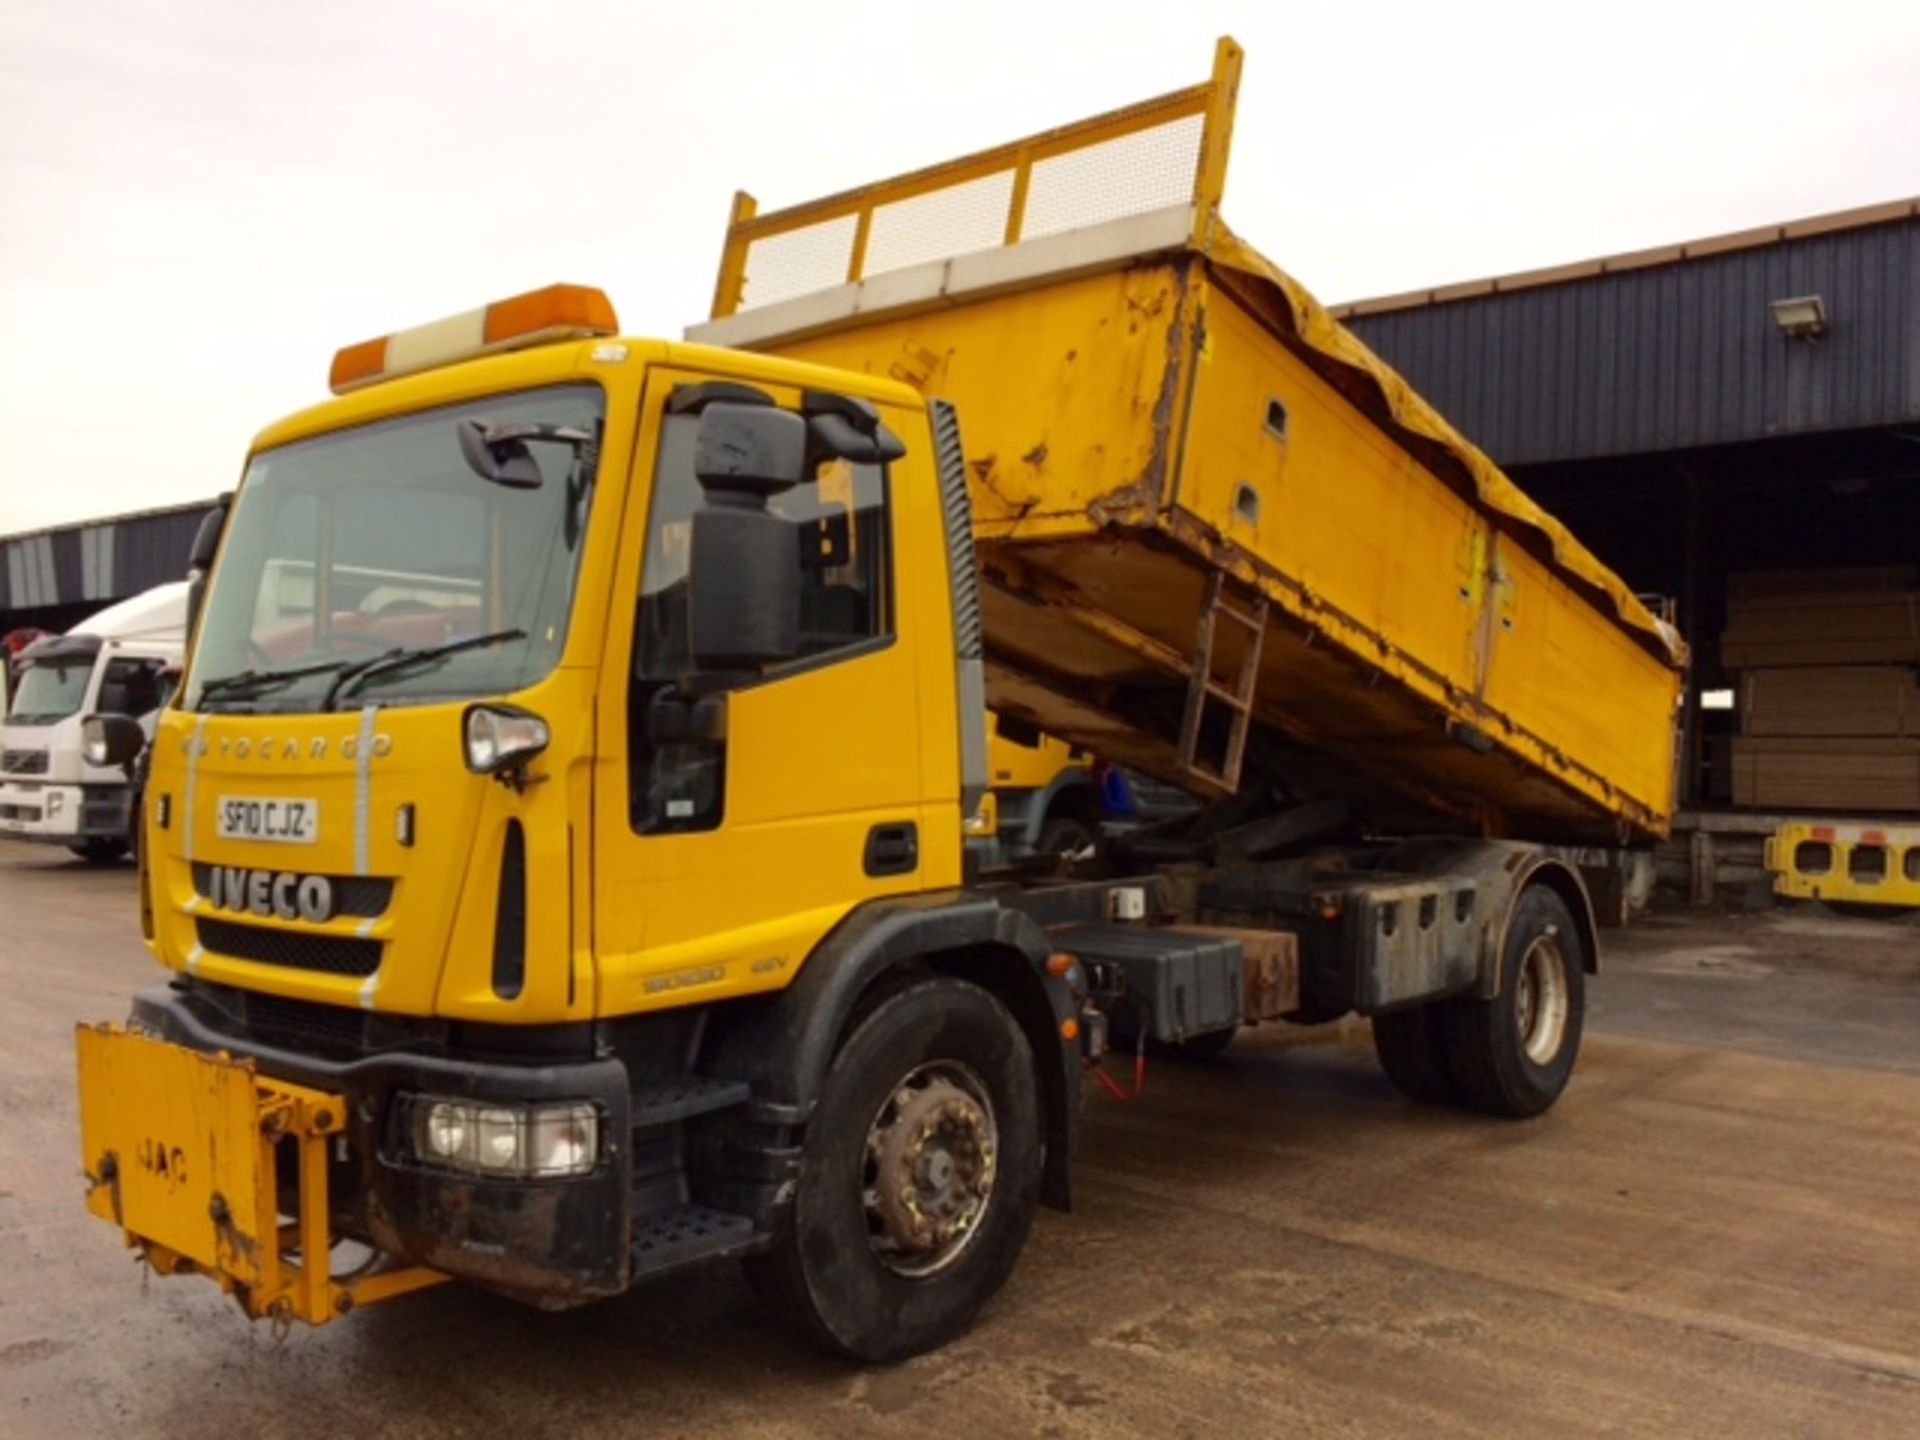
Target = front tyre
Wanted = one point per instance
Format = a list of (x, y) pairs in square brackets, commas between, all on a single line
[(918, 1177), (1512, 1055), (100, 850)]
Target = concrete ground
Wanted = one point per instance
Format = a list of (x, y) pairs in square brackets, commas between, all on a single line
[(1716, 1233)]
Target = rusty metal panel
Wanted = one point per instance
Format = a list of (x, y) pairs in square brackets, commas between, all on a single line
[(1132, 435), (1269, 967)]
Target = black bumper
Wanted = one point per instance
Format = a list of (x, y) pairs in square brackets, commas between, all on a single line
[(553, 1243)]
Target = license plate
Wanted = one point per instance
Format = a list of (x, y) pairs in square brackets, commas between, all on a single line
[(282, 821)]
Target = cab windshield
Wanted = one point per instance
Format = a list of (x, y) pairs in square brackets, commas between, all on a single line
[(380, 565), (51, 690)]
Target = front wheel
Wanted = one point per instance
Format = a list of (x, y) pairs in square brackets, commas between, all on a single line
[(918, 1177), (1512, 1055), (100, 850)]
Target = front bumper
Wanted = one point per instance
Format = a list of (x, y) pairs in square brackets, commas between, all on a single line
[(61, 814), (551, 1242)]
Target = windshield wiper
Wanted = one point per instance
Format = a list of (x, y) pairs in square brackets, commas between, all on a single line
[(402, 662), (251, 681), (358, 667)]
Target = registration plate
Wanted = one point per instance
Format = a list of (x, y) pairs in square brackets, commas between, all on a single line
[(282, 821)]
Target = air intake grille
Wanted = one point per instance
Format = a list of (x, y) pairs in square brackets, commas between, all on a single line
[(292, 949), (23, 762), (957, 509)]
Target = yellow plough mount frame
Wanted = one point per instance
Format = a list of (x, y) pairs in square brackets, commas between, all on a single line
[(182, 1152)]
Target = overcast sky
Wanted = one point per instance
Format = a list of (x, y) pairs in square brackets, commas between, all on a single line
[(200, 200)]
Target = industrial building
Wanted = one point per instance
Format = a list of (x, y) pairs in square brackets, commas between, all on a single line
[(52, 579)]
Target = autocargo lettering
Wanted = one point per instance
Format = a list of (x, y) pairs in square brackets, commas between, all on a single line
[(271, 894)]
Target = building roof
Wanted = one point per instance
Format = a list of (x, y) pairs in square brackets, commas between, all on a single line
[(93, 562), (195, 507), (1857, 218), (1673, 348)]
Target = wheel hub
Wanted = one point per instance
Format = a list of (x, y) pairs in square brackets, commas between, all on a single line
[(1540, 999), (930, 1164)]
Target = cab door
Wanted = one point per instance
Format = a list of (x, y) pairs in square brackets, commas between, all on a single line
[(723, 858)]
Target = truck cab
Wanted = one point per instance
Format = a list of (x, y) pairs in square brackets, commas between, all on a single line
[(546, 713), (125, 661)]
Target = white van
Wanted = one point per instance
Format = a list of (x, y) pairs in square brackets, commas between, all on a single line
[(123, 660)]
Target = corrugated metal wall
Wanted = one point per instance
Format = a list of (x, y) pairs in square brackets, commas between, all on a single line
[(94, 564), (1672, 356)]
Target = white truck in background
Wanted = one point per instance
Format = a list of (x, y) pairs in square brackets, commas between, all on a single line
[(123, 660)]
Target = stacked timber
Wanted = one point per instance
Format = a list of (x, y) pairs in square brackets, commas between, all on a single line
[(1829, 700)]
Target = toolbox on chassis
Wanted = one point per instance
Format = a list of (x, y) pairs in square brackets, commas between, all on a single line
[(558, 841)]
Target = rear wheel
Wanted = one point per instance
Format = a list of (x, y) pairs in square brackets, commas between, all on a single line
[(1412, 1046), (101, 850), (918, 1177), (1512, 1055)]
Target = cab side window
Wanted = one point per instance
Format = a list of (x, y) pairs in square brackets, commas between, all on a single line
[(844, 606), (132, 687)]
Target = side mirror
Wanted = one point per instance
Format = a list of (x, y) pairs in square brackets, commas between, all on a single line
[(112, 740), (206, 540), (748, 452), (743, 589), (743, 563), (503, 459), (850, 428)]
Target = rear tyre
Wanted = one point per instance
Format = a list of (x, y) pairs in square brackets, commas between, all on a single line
[(1412, 1046), (1512, 1055), (101, 850), (918, 1177)]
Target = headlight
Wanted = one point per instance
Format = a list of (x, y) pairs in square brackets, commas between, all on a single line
[(499, 738), (524, 1142), (56, 802)]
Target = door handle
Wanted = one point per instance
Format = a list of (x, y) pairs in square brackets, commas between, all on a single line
[(893, 849)]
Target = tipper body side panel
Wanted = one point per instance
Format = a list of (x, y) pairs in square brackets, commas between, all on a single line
[(1158, 473)]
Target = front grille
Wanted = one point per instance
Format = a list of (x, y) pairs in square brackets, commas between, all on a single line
[(305, 1025), (361, 896), (23, 762), (291, 949)]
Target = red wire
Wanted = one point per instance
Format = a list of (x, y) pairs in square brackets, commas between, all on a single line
[(1139, 1077)]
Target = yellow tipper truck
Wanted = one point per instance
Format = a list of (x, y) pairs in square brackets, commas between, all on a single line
[(557, 842)]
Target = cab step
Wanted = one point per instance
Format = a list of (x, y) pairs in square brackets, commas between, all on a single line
[(684, 1097), (685, 1234)]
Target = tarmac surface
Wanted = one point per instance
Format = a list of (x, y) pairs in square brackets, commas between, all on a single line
[(1716, 1233)]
